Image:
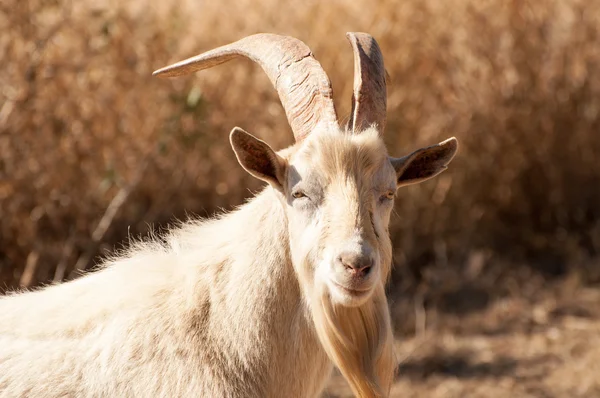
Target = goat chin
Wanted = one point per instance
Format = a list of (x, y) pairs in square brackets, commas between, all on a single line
[(358, 340)]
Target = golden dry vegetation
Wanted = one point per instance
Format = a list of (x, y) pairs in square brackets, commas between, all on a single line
[(93, 149)]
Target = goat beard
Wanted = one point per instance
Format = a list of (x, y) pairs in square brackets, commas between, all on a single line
[(358, 340)]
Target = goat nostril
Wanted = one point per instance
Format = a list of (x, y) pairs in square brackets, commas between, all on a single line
[(357, 266)]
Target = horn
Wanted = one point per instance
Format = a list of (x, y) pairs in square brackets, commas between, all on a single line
[(369, 98), (303, 86)]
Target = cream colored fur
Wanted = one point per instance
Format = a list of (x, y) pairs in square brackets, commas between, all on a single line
[(230, 307)]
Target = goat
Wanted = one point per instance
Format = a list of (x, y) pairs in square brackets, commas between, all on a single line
[(259, 302)]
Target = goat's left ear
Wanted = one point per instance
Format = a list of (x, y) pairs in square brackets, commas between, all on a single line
[(258, 158), (424, 163)]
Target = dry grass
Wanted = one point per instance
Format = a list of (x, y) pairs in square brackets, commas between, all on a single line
[(93, 149)]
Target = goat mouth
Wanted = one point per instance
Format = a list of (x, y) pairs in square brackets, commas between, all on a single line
[(351, 291)]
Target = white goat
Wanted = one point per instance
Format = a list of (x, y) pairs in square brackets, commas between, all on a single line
[(260, 302)]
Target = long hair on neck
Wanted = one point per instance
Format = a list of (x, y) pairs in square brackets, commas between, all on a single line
[(358, 340)]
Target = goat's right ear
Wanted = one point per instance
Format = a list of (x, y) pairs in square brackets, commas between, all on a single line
[(258, 158)]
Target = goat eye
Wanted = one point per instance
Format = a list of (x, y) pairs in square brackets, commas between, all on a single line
[(389, 195), (298, 194)]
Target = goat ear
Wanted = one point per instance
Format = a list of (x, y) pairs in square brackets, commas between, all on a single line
[(424, 163), (257, 158)]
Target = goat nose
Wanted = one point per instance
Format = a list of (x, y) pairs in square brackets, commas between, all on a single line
[(356, 263)]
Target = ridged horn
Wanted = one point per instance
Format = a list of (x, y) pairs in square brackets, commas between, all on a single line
[(303, 86), (369, 99)]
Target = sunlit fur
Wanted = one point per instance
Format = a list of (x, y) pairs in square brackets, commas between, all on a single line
[(355, 171), (239, 305)]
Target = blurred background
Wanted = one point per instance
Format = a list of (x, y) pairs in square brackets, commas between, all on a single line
[(495, 286)]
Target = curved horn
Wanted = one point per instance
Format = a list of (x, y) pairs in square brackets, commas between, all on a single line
[(369, 98), (304, 88)]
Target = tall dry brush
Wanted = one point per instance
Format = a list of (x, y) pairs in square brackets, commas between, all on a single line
[(92, 148)]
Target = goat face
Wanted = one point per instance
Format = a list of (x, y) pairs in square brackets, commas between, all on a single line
[(339, 194), (338, 191)]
